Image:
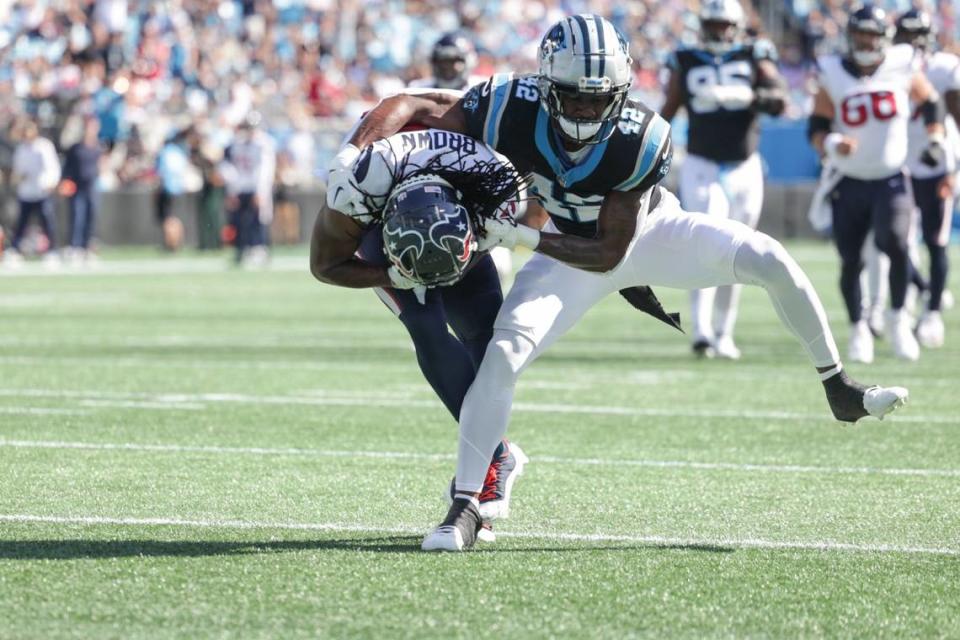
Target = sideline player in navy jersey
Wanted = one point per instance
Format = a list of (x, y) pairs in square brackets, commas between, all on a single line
[(860, 122), (724, 84), (402, 221), (933, 185), (595, 159)]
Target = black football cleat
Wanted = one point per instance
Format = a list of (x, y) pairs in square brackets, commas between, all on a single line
[(849, 400), (703, 350), (458, 531)]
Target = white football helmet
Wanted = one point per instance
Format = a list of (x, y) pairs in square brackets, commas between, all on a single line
[(721, 25), (584, 54)]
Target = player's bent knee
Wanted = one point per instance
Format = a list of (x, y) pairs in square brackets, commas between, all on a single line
[(507, 355), (764, 261)]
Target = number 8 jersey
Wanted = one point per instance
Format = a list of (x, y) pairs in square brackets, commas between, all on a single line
[(874, 110)]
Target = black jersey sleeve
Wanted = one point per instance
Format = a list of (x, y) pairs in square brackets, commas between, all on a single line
[(655, 153), (483, 107)]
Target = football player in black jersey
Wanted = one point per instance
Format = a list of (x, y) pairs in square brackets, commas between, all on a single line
[(596, 158), (724, 84)]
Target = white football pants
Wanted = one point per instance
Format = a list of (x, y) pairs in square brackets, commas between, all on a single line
[(671, 248), (733, 191)]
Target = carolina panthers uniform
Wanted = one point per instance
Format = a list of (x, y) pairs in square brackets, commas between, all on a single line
[(670, 247), (505, 113), (874, 192), (470, 305), (722, 174)]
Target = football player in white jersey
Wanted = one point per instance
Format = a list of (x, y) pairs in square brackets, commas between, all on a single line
[(724, 83), (859, 122), (596, 158), (933, 184), (452, 61), (400, 218)]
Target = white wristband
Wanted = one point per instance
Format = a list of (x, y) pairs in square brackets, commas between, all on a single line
[(527, 236), (831, 142)]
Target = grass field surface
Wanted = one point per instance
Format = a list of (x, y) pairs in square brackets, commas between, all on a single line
[(189, 450)]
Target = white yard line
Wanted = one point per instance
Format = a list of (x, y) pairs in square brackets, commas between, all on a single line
[(348, 398), (403, 455), (42, 411), (159, 266), (743, 543)]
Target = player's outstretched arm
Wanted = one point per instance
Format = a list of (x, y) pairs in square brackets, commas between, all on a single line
[(335, 239), (615, 228), (771, 94), (674, 98), (436, 110)]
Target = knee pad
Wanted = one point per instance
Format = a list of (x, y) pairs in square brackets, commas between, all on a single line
[(507, 355)]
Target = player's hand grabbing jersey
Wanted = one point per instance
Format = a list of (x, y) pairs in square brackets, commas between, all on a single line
[(721, 132), (874, 110), (506, 113)]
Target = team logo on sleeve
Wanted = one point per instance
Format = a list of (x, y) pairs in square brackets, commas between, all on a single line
[(472, 100)]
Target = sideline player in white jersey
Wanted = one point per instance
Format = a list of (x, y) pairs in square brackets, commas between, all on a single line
[(401, 220), (933, 185), (452, 60), (596, 158), (860, 119), (724, 84)]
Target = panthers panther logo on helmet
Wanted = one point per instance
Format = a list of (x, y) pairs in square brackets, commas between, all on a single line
[(427, 232)]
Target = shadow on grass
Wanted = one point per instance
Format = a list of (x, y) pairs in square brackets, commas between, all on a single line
[(93, 549)]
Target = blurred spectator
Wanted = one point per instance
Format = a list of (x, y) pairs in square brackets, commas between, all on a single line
[(172, 165), (206, 156), (80, 172), (248, 172), (36, 172)]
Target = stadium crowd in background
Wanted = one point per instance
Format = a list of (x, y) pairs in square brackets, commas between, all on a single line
[(150, 70)]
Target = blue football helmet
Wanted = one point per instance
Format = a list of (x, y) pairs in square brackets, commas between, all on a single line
[(427, 232)]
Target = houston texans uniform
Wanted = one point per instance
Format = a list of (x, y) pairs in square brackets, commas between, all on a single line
[(874, 191), (470, 305), (936, 213)]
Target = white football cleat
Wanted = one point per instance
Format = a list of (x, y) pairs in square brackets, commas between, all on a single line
[(905, 345), (879, 401), (860, 347), (930, 330), (725, 348), (486, 533)]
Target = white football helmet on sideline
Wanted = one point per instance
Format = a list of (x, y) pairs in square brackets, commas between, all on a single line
[(584, 54), (721, 25)]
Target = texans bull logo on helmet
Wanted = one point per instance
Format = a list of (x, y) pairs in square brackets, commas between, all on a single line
[(427, 233)]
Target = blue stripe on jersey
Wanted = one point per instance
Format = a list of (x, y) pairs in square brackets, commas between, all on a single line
[(500, 87), (567, 173), (586, 43), (603, 51), (657, 132)]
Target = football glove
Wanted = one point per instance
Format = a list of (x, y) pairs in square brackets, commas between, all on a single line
[(933, 155), (402, 282), (498, 232), (342, 195)]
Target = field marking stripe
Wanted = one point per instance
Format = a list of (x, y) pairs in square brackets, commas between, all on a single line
[(533, 407), (443, 457), (743, 543)]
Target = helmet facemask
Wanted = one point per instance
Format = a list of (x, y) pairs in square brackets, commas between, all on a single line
[(867, 49), (719, 36), (427, 232)]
